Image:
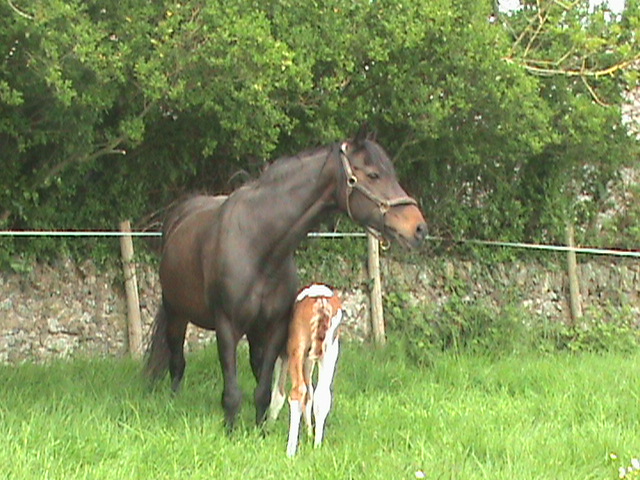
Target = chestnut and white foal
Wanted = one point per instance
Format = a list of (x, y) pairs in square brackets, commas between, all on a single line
[(313, 338)]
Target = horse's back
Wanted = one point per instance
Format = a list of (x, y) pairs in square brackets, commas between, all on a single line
[(186, 209)]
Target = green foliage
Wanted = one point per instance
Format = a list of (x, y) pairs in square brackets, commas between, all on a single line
[(463, 324), (607, 329), (335, 261), (459, 324), (620, 222), (408, 325)]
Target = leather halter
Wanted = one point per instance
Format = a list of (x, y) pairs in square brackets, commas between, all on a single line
[(352, 184)]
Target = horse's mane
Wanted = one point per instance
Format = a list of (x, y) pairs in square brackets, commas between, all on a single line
[(282, 166)]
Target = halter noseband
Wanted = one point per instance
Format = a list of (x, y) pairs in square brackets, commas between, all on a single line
[(352, 184)]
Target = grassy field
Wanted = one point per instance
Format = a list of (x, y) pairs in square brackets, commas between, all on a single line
[(517, 417)]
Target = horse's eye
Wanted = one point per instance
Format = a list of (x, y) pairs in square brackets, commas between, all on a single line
[(373, 175)]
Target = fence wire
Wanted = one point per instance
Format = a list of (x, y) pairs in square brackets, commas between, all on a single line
[(490, 243)]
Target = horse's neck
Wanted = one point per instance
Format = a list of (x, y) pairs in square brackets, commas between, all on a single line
[(294, 204)]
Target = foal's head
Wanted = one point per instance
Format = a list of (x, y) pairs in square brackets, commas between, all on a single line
[(370, 193)]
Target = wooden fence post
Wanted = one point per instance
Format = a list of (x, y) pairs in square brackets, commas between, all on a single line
[(377, 316), (574, 284), (134, 324)]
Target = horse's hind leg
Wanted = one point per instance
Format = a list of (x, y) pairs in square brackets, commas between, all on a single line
[(176, 332)]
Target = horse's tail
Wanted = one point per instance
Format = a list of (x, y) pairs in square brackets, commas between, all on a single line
[(158, 354)]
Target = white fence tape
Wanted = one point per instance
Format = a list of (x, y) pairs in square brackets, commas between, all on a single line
[(491, 243), (98, 233)]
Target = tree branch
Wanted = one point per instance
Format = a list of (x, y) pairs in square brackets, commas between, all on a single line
[(568, 72), (593, 94), (110, 148), (19, 12)]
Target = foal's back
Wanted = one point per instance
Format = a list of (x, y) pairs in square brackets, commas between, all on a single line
[(313, 326)]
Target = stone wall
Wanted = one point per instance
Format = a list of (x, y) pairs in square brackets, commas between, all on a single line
[(65, 309), (540, 288), (58, 310)]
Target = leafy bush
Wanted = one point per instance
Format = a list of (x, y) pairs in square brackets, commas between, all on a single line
[(463, 324), (333, 261), (408, 326), (602, 329), (458, 324)]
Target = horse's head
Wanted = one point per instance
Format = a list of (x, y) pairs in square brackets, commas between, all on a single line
[(370, 194)]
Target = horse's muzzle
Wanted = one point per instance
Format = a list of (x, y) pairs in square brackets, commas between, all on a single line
[(418, 237), (421, 233)]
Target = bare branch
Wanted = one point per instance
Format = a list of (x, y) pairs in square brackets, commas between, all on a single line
[(19, 12), (593, 94), (530, 67), (543, 19), (523, 33), (110, 148)]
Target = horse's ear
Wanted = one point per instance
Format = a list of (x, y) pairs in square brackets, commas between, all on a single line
[(362, 135), (372, 135)]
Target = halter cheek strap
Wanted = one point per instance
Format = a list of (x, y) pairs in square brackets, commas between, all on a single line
[(352, 184)]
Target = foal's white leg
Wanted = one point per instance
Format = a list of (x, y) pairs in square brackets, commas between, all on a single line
[(308, 380), (322, 396), (294, 426), (278, 395)]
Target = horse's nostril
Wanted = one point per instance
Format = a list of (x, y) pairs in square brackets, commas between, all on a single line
[(421, 230)]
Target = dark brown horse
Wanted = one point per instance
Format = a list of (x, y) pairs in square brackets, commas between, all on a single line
[(227, 262)]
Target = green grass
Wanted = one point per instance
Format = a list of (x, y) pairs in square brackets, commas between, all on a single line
[(518, 417)]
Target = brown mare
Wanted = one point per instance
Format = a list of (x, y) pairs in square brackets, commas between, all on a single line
[(227, 263)]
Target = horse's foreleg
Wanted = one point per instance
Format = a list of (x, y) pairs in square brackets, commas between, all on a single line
[(227, 353), (271, 352), (322, 394), (256, 356)]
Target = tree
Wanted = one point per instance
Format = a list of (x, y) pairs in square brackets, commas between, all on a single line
[(584, 59), (497, 120)]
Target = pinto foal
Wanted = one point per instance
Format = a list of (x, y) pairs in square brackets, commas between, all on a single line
[(313, 338)]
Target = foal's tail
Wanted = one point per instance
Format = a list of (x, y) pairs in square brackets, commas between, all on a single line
[(320, 323), (157, 361)]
